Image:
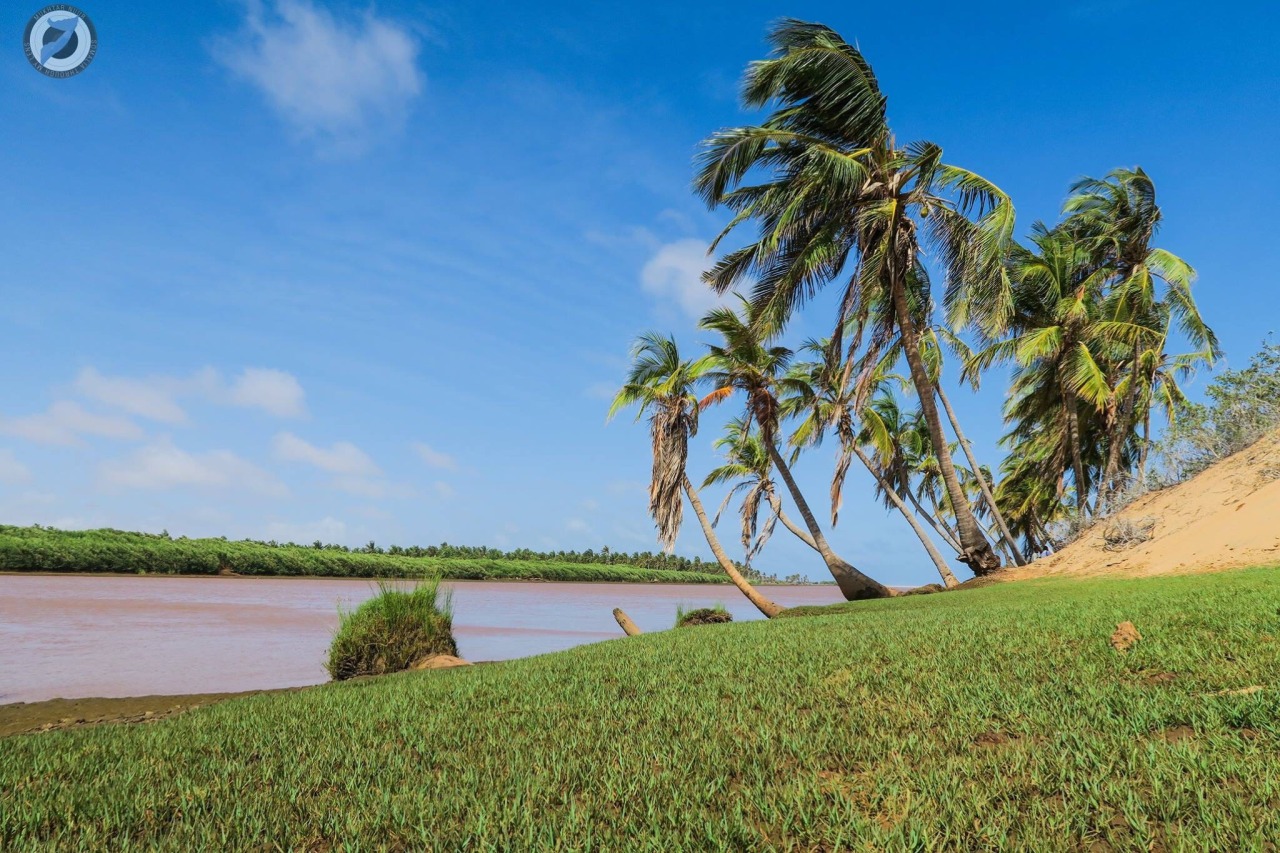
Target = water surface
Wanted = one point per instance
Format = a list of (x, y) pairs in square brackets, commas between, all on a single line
[(73, 636)]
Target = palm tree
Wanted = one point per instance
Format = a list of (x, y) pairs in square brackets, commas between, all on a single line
[(1059, 337), (843, 201), (824, 398), (748, 467), (744, 362), (662, 385), (1120, 217)]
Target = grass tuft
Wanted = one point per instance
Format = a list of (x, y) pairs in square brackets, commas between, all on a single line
[(702, 616), (392, 631)]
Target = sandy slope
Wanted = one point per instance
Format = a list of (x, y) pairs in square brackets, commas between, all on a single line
[(1227, 517)]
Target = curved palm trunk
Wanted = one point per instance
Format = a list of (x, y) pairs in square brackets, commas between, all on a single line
[(764, 605), (1146, 445), (942, 530), (1077, 461), (776, 503), (1012, 549), (977, 553), (944, 571), (854, 585)]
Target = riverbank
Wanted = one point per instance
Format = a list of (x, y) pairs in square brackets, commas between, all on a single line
[(991, 718), (46, 550)]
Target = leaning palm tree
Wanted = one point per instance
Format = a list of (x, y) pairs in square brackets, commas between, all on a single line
[(744, 362), (662, 385), (842, 201), (824, 399)]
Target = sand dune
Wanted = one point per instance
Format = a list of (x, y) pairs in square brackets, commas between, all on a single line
[(1227, 517)]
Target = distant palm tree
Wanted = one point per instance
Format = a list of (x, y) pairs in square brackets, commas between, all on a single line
[(842, 201), (662, 385), (750, 469), (744, 362)]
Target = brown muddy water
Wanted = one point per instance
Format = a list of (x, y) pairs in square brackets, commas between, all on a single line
[(70, 636)]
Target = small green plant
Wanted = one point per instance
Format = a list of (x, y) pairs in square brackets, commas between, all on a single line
[(702, 616), (392, 631)]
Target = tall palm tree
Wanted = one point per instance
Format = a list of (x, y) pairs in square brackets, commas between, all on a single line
[(1120, 217), (1060, 337), (743, 362), (842, 201), (662, 385)]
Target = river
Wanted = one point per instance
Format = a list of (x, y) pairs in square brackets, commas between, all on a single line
[(74, 636)]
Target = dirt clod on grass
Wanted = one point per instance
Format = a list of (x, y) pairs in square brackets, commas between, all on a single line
[(1124, 637), (440, 662)]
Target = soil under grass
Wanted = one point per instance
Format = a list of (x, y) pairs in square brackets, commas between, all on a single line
[(994, 718)]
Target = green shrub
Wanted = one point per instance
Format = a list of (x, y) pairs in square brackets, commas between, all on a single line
[(392, 631), (702, 616)]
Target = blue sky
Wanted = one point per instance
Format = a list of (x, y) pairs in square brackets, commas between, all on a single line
[(310, 269)]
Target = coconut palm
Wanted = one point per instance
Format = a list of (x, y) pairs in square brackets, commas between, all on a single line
[(662, 385), (1120, 217), (744, 362), (748, 468), (843, 202), (824, 398)]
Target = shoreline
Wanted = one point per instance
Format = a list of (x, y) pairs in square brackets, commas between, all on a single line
[(238, 576)]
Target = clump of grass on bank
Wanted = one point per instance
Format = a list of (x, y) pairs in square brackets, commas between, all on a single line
[(392, 631), (702, 616), (997, 718)]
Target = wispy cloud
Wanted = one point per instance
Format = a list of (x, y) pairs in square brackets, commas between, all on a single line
[(434, 458), (12, 472), (342, 457), (327, 530), (673, 275), (329, 78), (66, 423), (163, 466), (157, 397)]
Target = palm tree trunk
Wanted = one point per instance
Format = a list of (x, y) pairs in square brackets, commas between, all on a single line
[(1077, 461), (948, 579), (776, 503), (982, 480), (941, 529), (1119, 430), (854, 585), (1146, 445), (764, 605), (977, 553)]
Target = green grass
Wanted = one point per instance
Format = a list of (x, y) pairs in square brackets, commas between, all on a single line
[(41, 549), (392, 631), (990, 719)]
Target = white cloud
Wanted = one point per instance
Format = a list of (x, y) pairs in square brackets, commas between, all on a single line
[(342, 457), (328, 78), (156, 397), (434, 458), (274, 391), (577, 525), (162, 466), (148, 398), (12, 472), (674, 274), (328, 530), (66, 422), (443, 489)]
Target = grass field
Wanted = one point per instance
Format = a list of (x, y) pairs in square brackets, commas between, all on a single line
[(985, 719), (42, 549)]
